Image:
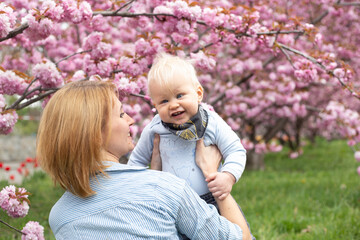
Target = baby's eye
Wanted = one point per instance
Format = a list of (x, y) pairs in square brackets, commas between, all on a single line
[(179, 95), (163, 101), (122, 114)]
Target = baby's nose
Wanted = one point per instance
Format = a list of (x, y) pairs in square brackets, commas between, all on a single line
[(174, 104)]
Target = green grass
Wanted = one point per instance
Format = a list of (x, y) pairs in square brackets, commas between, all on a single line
[(316, 196)]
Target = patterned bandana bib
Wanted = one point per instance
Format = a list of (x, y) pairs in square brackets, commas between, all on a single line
[(193, 129)]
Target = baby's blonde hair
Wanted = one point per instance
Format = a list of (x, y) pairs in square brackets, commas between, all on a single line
[(165, 66)]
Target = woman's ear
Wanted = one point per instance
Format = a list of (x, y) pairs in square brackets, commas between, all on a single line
[(200, 93)]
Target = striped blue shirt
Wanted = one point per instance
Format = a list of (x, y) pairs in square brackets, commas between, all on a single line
[(137, 203)]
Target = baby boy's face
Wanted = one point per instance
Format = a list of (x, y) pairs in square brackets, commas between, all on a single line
[(177, 101)]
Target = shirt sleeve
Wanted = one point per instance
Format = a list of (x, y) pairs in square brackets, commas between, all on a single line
[(141, 155), (230, 146), (198, 220)]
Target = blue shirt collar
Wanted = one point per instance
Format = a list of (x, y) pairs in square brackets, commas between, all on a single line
[(113, 166)]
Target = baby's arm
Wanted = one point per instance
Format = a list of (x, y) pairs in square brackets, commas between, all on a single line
[(141, 155), (234, 154)]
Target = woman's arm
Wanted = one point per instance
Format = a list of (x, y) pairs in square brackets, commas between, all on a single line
[(156, 163), (208, 159)]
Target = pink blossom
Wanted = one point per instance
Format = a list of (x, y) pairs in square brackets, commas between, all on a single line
[(183, 10), (205, 79), (357, 156), (339, 72), (132, 67), (20, 4), (233, 124), (102, 50), (202, 61), (260, 148), (48, 75), (78, 75), (125, 87), (2, 102), (319, 39), (233, 92), (305, 71), (208, 106), (33, 231), (52, 10), (168, 27), (99, 23), (45, 101), (11, 62), (38, 29), (183, 27), (11, 84), (358, 170), (294, 155), (92, 40), (75, 12), (274, 147), (134, 111), (164, 9), (14, 201), (102, 68), (248, 145), (189, 39), (212, 18), (253, 64), (7, 19), (144, 48), (351, 142)]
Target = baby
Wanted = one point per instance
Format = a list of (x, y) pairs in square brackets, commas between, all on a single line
[(181, 121)]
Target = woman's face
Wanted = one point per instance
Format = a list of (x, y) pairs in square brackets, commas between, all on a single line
[(119, 140)]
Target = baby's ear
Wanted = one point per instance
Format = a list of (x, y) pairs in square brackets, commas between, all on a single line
[(200, 92)]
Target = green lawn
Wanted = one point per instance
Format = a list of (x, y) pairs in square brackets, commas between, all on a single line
[(316, 196)]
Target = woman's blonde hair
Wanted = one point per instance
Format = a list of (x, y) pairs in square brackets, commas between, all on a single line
[(165, 66), (70, 136)]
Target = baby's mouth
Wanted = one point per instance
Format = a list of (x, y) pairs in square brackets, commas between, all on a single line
[(177, 114)]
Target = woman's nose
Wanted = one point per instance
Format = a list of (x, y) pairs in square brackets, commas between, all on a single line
[(129, 120)]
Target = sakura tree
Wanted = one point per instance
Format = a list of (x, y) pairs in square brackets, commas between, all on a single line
[(276, 70)]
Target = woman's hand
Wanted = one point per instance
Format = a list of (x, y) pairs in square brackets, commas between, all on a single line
[(156, 163), (207, 158)]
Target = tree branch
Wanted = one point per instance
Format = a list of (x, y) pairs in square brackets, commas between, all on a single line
[(280, 32), (23, 96), (31, 101), (17, 230), (124, 6), (274, 129), (313, 60), (71, 55), (319, 18), (348, 4), (15, 32), (242, 80)]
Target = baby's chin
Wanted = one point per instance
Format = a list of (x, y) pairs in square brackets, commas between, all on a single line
[(180, 122)]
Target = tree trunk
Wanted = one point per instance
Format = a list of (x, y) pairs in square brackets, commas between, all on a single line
[(255, 161)]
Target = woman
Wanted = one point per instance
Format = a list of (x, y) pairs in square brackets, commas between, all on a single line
[(82, 134)]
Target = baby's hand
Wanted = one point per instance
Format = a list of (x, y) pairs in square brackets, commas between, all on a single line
[(220, 184)]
